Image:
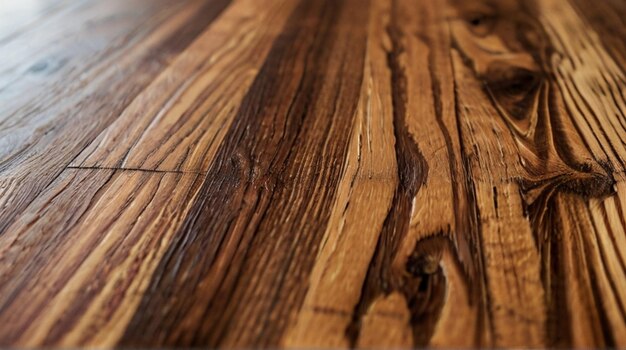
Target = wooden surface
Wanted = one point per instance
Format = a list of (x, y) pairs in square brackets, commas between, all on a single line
[(313, 173)]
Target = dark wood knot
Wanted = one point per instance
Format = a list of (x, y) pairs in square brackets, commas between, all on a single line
[(513, 88), (422, 265)]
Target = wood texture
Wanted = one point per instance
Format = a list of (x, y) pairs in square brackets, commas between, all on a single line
[(313, 173)]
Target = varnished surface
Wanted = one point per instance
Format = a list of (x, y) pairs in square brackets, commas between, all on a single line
[(313, 173)]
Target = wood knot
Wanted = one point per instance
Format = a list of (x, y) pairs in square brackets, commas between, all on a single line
[(422, 264), (591, 185), (480, 23), (475, 21), (513, 88)]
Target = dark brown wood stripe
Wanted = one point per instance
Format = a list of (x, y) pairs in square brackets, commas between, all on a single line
[(252, 235)]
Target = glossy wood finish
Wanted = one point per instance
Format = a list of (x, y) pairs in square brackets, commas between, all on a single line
[(327, 173)]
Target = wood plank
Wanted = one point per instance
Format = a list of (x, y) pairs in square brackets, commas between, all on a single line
[(278, 164), (409, 248), (541, 143), (370, 173)]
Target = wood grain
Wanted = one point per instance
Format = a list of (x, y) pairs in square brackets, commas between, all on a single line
[(63, 103), (326, 173)]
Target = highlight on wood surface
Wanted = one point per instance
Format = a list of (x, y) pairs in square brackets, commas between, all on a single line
[(313, 173)]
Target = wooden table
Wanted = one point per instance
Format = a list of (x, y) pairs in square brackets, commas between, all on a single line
[(313, 173)]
